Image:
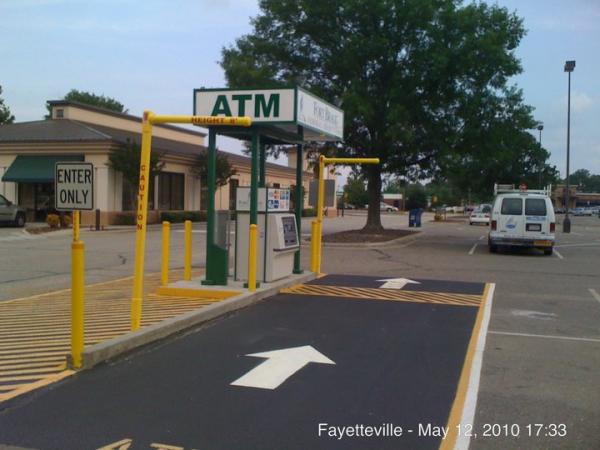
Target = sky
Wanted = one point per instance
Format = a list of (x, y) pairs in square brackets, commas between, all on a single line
[(152, 54)]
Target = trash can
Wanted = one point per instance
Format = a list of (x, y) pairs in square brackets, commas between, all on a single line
[(419, 213), (412, 217)]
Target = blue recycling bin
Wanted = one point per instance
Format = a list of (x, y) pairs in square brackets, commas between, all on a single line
[(414, 217), (418, 217)]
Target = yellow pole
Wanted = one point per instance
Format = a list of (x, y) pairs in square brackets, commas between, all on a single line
[(142, 211), (164, 267), (320, 206), (252, 258), (77, 294), (187, 253), (75, 226), (313, 246)]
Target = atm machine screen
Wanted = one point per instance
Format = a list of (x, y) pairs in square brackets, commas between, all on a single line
[(290, 236)]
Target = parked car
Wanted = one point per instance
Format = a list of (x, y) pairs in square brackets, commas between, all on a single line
[(388, 208), (583, 212), (481, 214), (11, 213), (522, 218), (560, 210)]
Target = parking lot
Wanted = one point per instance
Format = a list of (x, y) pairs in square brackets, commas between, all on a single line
[(538, 386)]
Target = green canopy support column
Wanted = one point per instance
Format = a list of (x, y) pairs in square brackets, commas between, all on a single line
[(217, 258), (299, 204), (262, 158)]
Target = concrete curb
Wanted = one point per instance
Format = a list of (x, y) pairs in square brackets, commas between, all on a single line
[(107, 350)]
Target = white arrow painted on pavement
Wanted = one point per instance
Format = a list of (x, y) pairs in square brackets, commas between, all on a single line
[(279, 366), (396, 283)]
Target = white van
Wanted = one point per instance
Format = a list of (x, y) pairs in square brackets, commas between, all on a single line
[(523, 218)]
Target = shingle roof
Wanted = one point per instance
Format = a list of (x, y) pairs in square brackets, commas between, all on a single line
[(49, 131), (66, 130)]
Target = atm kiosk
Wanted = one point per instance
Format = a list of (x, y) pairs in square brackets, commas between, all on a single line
[(277, 238)]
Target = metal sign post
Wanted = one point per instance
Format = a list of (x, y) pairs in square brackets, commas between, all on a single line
[(74, 191)]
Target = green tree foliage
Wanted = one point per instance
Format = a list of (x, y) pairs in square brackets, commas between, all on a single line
[(127, 161), (89, 98), (584, 180), (223, 169), (355, 191), (416, 197), (411, 75), (5, 115)]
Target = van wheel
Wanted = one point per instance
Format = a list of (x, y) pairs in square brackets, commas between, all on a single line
[(20, 220), (493, 248), (548, 251)]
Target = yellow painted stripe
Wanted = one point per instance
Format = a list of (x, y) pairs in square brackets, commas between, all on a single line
[(463, 383), (27, 387), (197, 293), (385, 294)]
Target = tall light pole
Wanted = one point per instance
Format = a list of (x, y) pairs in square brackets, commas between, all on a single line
[(569, 66), (540, 127)]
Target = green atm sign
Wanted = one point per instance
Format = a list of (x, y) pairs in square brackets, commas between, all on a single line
[(288, 106), (276, 105)]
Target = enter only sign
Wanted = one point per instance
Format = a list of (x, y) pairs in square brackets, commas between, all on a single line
[(74, 186)]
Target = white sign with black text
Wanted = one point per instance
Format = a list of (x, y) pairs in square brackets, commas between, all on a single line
[(74, 186)]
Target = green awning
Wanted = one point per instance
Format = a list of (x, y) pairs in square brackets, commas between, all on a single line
[(36, 168)]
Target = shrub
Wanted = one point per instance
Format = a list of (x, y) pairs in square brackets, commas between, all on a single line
[(53, 220), (66, 220), (182, 216), (125, 219)]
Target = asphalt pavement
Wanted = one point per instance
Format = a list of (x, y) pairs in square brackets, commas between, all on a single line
[(538, 386)]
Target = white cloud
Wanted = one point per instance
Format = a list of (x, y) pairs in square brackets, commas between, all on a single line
[(580, 101)]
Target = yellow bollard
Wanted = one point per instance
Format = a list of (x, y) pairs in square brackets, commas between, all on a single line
[(77, 301), (187, 256), (319, 245), (252, 258), (164, 267), (314, 241)]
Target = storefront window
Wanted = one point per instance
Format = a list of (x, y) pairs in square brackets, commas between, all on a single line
[(171, 188)]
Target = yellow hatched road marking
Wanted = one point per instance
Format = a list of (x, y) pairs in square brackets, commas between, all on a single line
[(35, 334), (398, 295)]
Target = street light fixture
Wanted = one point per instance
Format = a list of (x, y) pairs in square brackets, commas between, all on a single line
[(569, 67), (540, 127)]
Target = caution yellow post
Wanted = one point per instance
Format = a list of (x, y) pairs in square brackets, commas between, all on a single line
[(313, 245), (252, 258), (323, 161), (140, 239), (187, 252), (77, 294), (164, 266)]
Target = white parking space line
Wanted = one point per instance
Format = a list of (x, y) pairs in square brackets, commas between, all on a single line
[(545, 336), (473, 248), (558, 254), (577, 245), (595, 294), (576, 234), (482, 237), (470, 405)]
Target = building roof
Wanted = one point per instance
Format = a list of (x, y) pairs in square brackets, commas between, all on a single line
[(110, 112), (66, 130)]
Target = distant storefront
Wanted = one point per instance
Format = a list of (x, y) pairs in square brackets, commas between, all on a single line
[(77, 132), (576, 198)]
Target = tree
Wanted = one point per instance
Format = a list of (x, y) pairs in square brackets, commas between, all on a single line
[(416, 197), (127, 161), (5, 115), (407, 73), (223, 169), (355, 191), (585, 180), (89, 98)]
